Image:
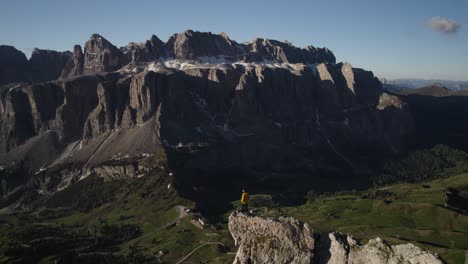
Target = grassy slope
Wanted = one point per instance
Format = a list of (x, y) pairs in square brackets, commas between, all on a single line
[(416, 214), (146, 203)]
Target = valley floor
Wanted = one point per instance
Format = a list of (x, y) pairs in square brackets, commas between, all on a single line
[(142, 224), (398, 213)]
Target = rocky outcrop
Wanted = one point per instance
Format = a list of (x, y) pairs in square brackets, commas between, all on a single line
[(113, 98), (191, 45), (13, 66), (47, 65), (151, 50), (273, 50), (117, 171), (44, 65), (263, 240), (75, 65), (63, 107), (101, 56), (286, 240), (456, 199), (337, 248)]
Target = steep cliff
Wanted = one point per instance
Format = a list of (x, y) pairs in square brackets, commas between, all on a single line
[(75, 64), (13, 66), (264, 105), (44, 65), (47, 65), (102, 56)]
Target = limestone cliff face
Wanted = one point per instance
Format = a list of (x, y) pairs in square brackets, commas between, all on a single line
[(251, 105), (75, 65), (191, 45), (44, 65), (47, 65), (273, 50), (13, 66), (102, 56), (244, 115), (113, 98), (286, 240)]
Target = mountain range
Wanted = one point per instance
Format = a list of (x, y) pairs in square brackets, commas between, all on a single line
[(263, 106), (98, 146), (418, 83)]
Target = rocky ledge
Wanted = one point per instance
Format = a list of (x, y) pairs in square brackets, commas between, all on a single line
[(287, 240)]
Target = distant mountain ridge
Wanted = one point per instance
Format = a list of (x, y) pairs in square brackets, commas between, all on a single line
[(44, 65), (418, 83), (100, 55), (436, 89)]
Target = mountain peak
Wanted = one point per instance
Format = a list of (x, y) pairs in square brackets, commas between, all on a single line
[(439, 84), (436, 89), (95, 36)]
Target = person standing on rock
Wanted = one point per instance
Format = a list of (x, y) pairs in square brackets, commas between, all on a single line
[(245, 201)]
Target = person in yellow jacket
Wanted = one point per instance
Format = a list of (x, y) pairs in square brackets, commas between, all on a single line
[(245, 201)]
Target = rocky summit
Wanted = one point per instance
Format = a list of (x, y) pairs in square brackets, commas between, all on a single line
[(263, 105), (286, 240)]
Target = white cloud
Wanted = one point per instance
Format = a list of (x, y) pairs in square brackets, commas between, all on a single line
[(443, 25)]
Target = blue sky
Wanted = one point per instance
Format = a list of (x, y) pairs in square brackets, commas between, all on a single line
[(391, 38)]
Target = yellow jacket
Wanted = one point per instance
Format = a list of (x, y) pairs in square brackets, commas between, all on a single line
[(244, 198)]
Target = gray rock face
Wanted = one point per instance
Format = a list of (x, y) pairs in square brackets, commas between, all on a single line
[(75, 65), (151, 50), (243, 115), (336, 248), (262, 240), (286, 240), (13, 66), (273, 50), (101, 56), (113, 98), (46, 65), (191, 45), (29, 110)]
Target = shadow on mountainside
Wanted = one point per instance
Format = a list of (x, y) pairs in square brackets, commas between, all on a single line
[(440, 120), (214, 189)]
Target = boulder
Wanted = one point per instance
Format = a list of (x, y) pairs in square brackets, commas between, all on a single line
[(286, 240), (264, 240)]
